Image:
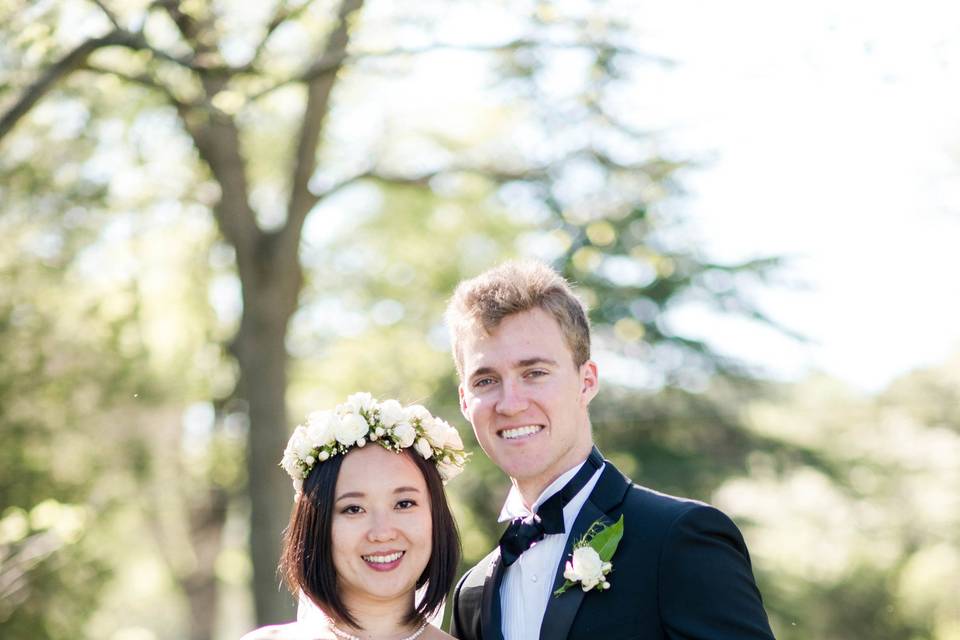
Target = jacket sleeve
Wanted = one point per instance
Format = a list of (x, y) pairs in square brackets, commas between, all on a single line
[(706, 584)]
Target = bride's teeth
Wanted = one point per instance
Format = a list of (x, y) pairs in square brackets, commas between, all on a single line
[(384, 559), (519, 432)]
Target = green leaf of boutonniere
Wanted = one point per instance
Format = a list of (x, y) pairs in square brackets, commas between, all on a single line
[(590, 561)]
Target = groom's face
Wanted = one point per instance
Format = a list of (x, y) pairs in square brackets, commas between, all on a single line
[(526, 399)]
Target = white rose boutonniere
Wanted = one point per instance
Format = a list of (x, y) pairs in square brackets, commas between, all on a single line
[(590, 560)]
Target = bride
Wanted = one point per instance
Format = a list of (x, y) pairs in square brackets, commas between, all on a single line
[(370, 523)]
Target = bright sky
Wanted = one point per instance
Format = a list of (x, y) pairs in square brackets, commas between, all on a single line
[(831, 132)]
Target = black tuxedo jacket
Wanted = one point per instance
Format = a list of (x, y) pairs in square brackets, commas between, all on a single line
[(681, 571)]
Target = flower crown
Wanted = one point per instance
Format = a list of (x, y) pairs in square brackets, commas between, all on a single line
[(363, 419)]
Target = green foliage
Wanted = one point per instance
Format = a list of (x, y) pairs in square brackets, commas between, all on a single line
[(866, 545)]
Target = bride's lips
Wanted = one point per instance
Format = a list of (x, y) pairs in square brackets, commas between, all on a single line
[(384, 560)]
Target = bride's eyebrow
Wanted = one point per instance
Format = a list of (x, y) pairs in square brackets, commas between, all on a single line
[(406, 490), (350, 494)]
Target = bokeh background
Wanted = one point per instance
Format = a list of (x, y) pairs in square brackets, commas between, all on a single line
[(219, 215)]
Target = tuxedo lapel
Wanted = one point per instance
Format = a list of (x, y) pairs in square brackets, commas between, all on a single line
[(561, 610), (491, 625)]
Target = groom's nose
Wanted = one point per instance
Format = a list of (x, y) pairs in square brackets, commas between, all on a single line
[(512, 399)]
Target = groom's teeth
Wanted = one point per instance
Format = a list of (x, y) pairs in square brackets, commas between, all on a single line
[(519, 432), (384, 559)]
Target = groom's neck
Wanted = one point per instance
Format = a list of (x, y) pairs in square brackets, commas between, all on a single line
[(531, 488)]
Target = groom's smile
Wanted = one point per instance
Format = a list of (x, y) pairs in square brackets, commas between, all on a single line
[(526, 399), (515, 433)]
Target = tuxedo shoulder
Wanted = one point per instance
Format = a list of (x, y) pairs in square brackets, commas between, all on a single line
[(667, 510), (476, 575)]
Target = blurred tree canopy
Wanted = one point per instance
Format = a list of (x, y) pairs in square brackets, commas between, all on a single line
[(226, 214)]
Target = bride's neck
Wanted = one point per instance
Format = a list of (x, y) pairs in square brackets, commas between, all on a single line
[(381, 620)]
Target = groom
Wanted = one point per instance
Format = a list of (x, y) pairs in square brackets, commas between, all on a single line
[(521, 341)]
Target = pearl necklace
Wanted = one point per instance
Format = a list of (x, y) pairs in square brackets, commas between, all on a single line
[(343, 634)]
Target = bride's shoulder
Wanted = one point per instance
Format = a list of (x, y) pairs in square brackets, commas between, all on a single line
[(292, 631)]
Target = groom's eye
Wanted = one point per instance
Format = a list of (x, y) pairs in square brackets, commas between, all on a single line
[(483, 382)]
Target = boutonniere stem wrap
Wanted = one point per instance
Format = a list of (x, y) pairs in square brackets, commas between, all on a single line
[(590, 561)]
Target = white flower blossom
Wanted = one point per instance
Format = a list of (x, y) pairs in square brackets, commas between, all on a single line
[(448, 471), (321, 426), (391, 412), (452, 438), (361, 401), (436, 431), (300, 442), (417, 412), (405, 434), (423, 448), (585, 568), (352, 427)]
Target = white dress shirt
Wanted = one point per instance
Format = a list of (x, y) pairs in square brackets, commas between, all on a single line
[(528, 582)]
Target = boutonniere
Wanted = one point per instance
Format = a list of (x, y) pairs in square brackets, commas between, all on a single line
[(590, 561)]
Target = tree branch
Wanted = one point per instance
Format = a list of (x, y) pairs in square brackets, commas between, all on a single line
[(282, 14), (58, 70), (107, 12), (75, 59), (143, 80), (317, 107), (333, 60)]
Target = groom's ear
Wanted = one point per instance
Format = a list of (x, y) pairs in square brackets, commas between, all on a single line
[(463, 402), (589, 381)]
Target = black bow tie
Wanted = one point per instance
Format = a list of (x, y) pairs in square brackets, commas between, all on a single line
[(548, 519)]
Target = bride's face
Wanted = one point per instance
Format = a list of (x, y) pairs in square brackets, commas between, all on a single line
[(381, 525)]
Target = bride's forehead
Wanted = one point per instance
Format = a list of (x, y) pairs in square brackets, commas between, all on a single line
[(375, 467)]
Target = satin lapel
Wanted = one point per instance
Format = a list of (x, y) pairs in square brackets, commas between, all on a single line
[(491, 626), (561, 610)]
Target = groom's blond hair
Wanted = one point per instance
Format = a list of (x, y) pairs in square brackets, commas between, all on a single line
[(514, 287)]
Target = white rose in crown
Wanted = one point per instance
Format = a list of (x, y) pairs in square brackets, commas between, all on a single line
[(452, 438), (590, 561), (436, 431), (351, 429), (321, 428), (300, 443), (423, 447), (358, 402), (391, 413), (405, 434), (448, 470)]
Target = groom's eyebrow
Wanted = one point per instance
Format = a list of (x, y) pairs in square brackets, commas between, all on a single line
[(529, 362), (519, 364)]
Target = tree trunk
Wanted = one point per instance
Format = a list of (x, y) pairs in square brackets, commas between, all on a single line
[(207, 520), (271, 284)]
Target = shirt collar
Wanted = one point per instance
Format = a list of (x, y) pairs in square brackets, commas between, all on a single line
[(513, 506)]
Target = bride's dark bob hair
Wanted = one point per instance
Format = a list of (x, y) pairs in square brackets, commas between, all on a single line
[(306, 562)]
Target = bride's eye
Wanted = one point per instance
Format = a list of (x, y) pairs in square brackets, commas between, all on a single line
[(352, 509), (406, 504)]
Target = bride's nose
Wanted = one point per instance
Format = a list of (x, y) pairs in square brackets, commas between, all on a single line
[(382, 528)]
